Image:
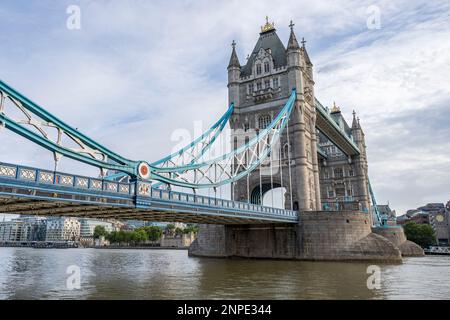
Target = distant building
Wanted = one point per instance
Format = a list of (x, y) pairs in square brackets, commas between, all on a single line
[(435, 214), (23, 229), (62, 229), (177, 241), (13, 231), (87, 227), (37, 227)]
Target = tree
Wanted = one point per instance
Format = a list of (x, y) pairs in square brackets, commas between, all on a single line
[(191, 228), (100, 231), (138, 236), (178, 231), (422, 234), (170, 229), (154, 233)]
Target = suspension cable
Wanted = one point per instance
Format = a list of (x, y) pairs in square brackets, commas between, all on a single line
[(271, 173), (260, 176), (281, 175)]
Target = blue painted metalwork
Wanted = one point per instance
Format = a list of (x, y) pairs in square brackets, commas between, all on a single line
[(166, 170), (217, 127), (275, 128), (381, 219), (51, 186), (24, 103)]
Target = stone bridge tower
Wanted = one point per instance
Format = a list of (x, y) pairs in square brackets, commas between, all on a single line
[(259, 89)]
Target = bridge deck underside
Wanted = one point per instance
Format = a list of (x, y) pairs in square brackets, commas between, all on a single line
[(15, 205)]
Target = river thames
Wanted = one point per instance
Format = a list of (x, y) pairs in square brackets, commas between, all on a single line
[(27, 273)]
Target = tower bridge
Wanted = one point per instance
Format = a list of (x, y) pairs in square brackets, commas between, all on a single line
[(282, 137)]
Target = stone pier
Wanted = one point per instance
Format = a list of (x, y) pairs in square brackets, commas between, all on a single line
[(398, 238), (319, 236)]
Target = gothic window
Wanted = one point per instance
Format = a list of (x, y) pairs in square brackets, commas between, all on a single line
[(349, 191), (340, 192), (259, 86), (249, 88), (330, 193), (258, 69), (351, 173), (264, 121), (266, 67), (275, 83), (338, 173), (267, 84)]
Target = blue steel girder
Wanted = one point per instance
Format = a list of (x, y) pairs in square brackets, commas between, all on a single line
[(26, 190), (241, 161), (35, 117), (326, 124)]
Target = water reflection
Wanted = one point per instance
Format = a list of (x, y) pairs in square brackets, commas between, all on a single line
[(171, 274)]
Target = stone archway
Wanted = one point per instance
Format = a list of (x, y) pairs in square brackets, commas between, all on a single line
[(255, 196)]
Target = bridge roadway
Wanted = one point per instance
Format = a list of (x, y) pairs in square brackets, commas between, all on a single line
[(32, 191)]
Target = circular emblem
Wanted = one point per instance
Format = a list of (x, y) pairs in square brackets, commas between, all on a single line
[(440, 218), (144, 170)]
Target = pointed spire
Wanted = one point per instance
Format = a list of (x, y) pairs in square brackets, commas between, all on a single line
[(305, 53), (293, 43), (355, 123), (234, 60)]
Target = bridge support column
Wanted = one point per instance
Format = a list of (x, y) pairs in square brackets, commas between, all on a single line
[(319, 236), (300, 172)]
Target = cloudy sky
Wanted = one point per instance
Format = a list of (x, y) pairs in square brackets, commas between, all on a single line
[(138, 71)]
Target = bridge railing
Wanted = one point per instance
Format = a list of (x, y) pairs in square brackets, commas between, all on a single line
[(216, 202), (46, 179)]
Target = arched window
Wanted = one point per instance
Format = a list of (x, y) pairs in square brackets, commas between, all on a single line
[(264, 121), (266, 67), (258, 69)]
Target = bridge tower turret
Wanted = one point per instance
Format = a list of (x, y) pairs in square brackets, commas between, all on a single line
[(234, 74), (305, 161), (259, 89), (361, 165)]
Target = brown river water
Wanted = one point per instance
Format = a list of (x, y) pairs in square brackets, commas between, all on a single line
[(27, 273)]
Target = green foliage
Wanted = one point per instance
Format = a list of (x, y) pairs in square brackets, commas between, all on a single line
[(170, 227), (127, 237), (422, 234), (100, 231), (191, 228), (154, 233)]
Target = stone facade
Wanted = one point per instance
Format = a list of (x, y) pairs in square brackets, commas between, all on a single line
[(398, 238), (320, 236), (259, 90), (177, 241), (309, 166)]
